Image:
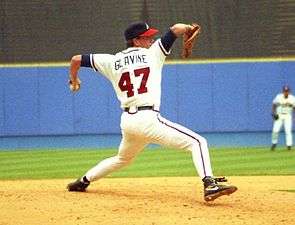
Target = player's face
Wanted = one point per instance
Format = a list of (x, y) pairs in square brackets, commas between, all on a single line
[(286, 93), (144, 42)]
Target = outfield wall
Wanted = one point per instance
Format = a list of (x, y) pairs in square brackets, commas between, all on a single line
[(206, 97)]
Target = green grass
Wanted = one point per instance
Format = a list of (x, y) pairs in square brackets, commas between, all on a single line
[(61, 163)]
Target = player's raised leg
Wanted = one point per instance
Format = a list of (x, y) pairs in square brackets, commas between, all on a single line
[(176, 136)]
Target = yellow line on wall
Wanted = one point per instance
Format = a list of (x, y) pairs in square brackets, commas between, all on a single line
[(41, 64), (168, 62), (231, 60)]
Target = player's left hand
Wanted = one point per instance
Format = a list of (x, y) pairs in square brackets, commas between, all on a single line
[(75, 85), (189, 39)]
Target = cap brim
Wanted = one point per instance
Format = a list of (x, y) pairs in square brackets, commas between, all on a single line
[(150, 32)]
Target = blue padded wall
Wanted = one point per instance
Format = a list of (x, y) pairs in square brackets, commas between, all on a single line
[(213, 97), (55, 102)]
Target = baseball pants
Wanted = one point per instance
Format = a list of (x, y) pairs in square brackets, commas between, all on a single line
[(285, 119), (148, 126)]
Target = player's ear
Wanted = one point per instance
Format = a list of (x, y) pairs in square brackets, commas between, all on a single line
[(129, 43), (136, 42)]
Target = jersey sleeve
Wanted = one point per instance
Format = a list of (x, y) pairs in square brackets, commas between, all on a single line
[(162, 46), (102, 63), (158, 51), (276, 100), (167, 41)]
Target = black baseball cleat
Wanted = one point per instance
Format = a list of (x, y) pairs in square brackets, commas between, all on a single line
[(273, 147), (213, 190), (78, 186)]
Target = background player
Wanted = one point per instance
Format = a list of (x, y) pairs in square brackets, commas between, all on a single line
[(282, 108), (135, 74)]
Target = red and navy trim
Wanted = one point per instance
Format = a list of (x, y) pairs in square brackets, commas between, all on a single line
[(167, 41), (163, 49), (85, 60)]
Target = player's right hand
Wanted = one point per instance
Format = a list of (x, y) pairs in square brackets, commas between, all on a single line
[(75, 85), (275, 116)]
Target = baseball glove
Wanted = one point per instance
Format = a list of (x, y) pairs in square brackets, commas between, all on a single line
[(275, 116), (75, 85), (189, 39)]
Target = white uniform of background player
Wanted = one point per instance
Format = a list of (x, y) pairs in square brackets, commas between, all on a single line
[(136, 75), (283, 106)]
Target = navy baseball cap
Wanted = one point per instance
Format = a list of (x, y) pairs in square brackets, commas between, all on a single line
[(139, 29), (286, 88)]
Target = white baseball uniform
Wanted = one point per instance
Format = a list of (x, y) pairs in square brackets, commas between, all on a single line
[(135, 74), (284, 110)]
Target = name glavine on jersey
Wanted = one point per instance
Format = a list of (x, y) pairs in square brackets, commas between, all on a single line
[(129, 59)]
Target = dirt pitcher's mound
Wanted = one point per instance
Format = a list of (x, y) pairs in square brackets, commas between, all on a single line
[(178, 200)]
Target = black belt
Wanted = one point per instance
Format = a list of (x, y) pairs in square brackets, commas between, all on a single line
[(139, 108)]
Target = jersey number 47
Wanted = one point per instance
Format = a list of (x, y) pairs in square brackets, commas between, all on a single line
[(126, 85)]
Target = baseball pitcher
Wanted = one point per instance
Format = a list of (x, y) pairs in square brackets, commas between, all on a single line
[(282, 110), (136, 74)]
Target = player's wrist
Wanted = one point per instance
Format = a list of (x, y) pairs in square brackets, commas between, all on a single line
[(180, 28), (188, 27), (73, 79), (74, 83)]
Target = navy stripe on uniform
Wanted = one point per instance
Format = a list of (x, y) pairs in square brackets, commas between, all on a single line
[(167, 41), (92, 63), (163, 50), (183, 132), (85, 61)]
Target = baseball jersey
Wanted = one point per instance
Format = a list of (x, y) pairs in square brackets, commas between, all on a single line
[(284, 105), (135, 73)]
